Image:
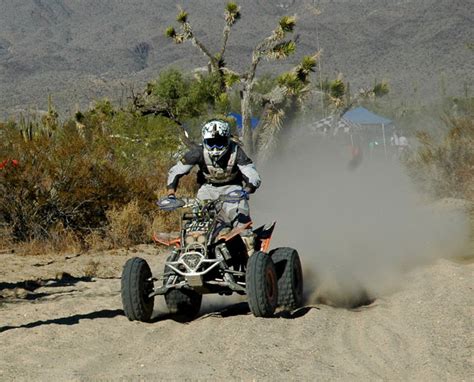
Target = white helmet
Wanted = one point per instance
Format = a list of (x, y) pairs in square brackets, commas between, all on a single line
[(216, 137)]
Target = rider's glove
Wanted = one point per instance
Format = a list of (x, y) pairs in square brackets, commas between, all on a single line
[(245, 194), (249, 189)]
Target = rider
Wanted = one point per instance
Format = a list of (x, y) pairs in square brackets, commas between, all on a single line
[(223, 168)]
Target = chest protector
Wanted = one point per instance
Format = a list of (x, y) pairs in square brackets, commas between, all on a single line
[(218, 174)]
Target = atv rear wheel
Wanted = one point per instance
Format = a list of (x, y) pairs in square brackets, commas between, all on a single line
[(262, 286), (183, 302), (136, 285), (290, 277)]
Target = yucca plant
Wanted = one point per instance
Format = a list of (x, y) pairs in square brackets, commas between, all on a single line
[(381, 88), (182, 16), (282, 50), (170, 32), (232, 13), (268, 138), (287, 24)]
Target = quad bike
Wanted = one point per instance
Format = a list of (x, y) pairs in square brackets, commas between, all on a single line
[(211, 257)]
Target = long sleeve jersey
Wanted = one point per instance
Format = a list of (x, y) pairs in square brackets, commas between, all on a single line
[(238, 167)]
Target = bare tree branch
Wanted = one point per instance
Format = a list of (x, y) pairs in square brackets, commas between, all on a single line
[(205, 51), (225, 38)]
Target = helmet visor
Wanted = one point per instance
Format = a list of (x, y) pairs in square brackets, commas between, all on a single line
[(216, 142)]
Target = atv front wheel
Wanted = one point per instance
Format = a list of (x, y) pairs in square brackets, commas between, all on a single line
[(136, 285), (262, 286), (183, 302), (290, 277)]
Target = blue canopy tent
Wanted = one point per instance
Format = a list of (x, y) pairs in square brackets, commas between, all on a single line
[(362, 116), (238, 118)]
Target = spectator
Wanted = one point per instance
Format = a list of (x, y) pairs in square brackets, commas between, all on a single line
[(402, 143), (394, 139)]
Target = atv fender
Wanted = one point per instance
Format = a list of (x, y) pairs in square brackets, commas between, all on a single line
[(165, 240), (263, 235)]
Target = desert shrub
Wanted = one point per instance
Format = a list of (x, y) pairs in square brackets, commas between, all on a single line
[(143, 142), (445, 167), (54, 183), (72, 176)]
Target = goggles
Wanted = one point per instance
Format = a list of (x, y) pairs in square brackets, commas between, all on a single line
[(216, 143)]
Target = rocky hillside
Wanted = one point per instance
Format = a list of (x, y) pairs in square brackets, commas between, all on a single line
[(79, 50)]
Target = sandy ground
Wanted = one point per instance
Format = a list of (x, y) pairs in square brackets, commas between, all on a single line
[(71, 327)]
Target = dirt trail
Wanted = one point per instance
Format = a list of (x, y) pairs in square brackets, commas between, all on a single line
[(74, 329)]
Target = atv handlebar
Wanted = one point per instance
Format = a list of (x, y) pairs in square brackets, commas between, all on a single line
[(171, 204)]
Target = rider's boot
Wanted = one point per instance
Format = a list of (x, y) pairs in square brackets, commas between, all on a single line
[(249, 241)]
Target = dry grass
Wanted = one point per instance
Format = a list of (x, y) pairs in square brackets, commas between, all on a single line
[(97, 241), (127, 225), (166, 222), (66, 243), (6, 241)]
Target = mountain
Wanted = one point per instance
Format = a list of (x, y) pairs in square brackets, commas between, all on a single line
[(79, 50)]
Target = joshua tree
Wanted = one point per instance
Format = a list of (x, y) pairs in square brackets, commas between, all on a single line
[(290, 88)]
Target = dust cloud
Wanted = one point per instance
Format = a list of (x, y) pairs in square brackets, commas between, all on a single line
[(358, 229)]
